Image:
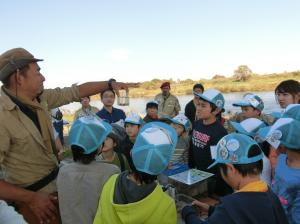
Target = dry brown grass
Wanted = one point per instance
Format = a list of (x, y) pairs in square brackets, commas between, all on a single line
[(184, 87), (255, 84)]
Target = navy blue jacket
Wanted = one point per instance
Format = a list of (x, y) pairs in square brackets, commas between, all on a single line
[(190, 111), (242, 208), (115, 116)]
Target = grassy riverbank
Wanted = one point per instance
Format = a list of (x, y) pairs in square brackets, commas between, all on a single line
[(255, 83)]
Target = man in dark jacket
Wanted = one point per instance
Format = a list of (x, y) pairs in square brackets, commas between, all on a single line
[(190, 108)]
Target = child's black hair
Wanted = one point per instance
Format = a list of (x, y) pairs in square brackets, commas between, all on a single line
[(132, 124), (141, 176), (86, 97), (254, 109), (78, 155), (247, 169), (198, 86), (265, 147), (107, 90), (151, 105)]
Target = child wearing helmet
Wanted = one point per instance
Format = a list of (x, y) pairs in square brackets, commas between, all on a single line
[(239, 160), (133, 123), (284, 134), (251, 127), (110, 149), (80, 183), (182, 125), (135, 197), (206, 133), (252, 107)]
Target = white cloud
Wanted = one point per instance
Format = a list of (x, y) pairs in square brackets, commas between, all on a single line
[(119, 54)]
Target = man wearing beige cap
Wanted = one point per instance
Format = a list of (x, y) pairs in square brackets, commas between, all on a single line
[(27, 150), (168, 104)]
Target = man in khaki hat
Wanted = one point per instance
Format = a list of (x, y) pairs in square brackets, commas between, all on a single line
[(27, 150), (168, 104)]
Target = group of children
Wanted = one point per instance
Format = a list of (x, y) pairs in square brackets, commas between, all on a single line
[(93, 190), (249, 171), (256, 166)]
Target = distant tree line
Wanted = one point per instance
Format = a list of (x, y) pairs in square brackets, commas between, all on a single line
[(242, 79)]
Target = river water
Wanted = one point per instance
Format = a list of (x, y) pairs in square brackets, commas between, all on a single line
[(139, 104)]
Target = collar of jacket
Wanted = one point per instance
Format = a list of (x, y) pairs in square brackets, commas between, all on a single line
[(8, 104)]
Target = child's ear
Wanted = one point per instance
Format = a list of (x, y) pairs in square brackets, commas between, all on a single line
[(230, 169), (184, 134), (115, 144), (258, 112), (217, 111), (99, 149), (297, 98)]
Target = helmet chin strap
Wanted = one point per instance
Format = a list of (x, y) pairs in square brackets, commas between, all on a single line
[(16, 81)]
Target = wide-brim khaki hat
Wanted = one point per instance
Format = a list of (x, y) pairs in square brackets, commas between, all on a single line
[(14, 59)]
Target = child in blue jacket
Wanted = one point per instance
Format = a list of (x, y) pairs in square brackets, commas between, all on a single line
[(286, 185)]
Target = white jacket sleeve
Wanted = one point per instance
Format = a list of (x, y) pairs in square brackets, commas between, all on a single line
[(8, 215)]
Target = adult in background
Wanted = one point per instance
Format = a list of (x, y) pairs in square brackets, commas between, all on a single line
[(168, 104), (86, 109), (190, 108), (27, 149), (58, 123), (287, 92), (108, 112)]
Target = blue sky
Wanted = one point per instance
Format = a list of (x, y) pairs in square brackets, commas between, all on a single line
[(138, 40)]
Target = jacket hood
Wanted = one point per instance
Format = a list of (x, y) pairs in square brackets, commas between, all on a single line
[(146, 207)]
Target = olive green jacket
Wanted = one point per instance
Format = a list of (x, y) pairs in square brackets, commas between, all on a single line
[(167, 105)]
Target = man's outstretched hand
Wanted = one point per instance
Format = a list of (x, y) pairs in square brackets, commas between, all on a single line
[(122, 85)]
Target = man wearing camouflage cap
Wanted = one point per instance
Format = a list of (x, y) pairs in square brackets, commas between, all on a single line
[(27, 151)]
